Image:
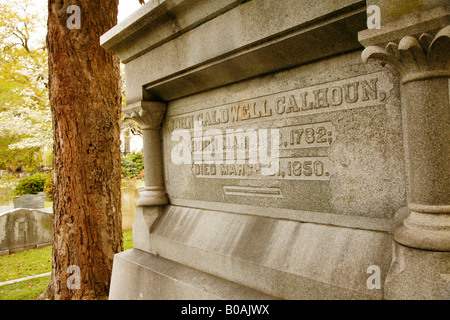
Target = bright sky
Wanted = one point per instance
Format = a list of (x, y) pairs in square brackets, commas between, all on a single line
[(126, 7)]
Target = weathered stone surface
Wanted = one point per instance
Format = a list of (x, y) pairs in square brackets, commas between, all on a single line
[(30, 201), (237, 44), (397, 10), (150, 115), (406, 18), (418, 274), (341, 144), (286, 259), (23, 229), (423, 63), (174, 280)]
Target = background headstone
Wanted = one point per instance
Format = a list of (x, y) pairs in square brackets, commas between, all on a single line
[(30, 201), (23, 229), (129, 201)]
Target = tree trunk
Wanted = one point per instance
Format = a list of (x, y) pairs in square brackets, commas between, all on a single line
[(85, 99)]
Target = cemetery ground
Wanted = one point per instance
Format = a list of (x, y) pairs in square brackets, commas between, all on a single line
[(30, 263), (38, 262)]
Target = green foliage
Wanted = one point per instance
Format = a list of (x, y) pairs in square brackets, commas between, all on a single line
[(132, 164), (127, 240), (32, 184), (48, 186), (14, 159), (8, 183), (47, 157)]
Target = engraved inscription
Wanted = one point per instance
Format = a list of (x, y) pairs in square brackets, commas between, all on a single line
[(358, 92), (237, 146), (292, 168), (305, 168), (307, 136), (271, 137)]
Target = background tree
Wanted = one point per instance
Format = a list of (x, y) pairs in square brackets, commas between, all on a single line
[(25, 119), (85, 98)]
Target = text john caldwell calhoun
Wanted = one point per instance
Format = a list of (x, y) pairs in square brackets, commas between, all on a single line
[(229, 309)]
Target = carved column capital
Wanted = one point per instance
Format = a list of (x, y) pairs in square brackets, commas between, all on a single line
[(416, 59), (149, 114)]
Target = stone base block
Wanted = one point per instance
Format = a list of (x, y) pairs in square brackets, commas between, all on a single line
[(189, 254), (418, 275), (284, 259), (138, 275), (43, 244)]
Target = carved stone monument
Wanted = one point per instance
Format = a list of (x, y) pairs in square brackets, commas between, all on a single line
[(282, 159)]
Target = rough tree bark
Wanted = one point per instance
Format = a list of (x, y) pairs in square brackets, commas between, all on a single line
[(85, 99)]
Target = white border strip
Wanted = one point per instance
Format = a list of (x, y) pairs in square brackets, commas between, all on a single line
[(25, 279)]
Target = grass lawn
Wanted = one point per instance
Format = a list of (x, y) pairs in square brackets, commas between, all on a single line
[(25, 290), (24, 264), (29, 263)]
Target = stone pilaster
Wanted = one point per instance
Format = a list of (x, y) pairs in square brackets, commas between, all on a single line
[(424, 67), (150, 115)]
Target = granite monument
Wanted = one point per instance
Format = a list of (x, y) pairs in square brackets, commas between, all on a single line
[(293, 149)]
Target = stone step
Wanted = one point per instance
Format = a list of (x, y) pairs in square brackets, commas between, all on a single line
[(138, 275)]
